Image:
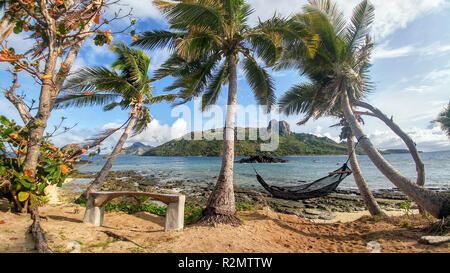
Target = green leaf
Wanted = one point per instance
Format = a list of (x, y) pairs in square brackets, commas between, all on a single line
[(7, 132), (18, 27), (23, 196), (4, 120), (24, 183), (41, 187)]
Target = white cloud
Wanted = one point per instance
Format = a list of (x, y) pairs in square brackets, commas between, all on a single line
[(441, 76), (393, 15), (389, 15), (143, 9), (383, 51), (156, 134), (428, 139)]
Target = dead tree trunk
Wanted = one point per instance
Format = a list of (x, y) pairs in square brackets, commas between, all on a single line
[(36, 231)]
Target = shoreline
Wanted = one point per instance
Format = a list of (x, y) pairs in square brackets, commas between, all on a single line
[(322, 208)]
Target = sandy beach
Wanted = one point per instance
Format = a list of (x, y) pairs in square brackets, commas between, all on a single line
[(263, 231), (333, 224)]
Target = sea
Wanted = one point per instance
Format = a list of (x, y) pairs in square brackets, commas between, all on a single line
[(299, 169)]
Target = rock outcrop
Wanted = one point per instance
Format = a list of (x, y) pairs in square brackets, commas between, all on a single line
[(262, 159), (283, 127)]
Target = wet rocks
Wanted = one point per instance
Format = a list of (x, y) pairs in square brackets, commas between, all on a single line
[(197, 193), (262, 159)]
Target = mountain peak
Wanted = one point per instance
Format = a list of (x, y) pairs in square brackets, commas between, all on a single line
[(283, 127)]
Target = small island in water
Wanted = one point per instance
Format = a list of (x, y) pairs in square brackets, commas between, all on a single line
[(262, 159)]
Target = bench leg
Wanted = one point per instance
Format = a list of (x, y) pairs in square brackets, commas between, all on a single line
[(93, 215), (175, 215)]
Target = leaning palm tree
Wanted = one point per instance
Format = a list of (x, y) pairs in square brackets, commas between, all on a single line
[(309, 99), (126, 85), (210, 39), (444, 120), (338, 77)]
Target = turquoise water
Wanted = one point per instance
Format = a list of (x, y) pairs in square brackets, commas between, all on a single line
[(307, 168)]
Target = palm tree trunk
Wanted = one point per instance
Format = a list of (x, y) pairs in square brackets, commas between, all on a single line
[(221, 203), (366, 194), (420, 167), (404, 136), (435, 203), (98, 182)]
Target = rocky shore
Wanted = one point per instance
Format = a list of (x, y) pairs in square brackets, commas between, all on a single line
[(197, 194)]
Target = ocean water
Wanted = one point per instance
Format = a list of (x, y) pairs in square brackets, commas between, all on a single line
[(304, 168)]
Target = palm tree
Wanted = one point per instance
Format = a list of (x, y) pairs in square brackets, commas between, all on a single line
[(308, 98), (126, 85), (210, 39), (338, 76), (444, 120)]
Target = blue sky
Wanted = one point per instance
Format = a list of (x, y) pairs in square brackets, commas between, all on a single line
[(411, 70)]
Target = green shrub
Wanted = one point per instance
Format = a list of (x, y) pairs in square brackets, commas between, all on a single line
[(242, 206)]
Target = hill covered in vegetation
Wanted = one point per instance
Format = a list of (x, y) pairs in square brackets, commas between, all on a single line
[(291, 144)]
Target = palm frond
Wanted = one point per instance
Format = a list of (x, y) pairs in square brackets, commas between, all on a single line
[(90, 79), (212, 93), (161, 98), (142, 123), (363, 16), (174, 66), (265, 47), (193, 81), (132, 63), (260, 82), (200, 42), (331, 11), (187, 14), (298, 99), (158, 39), (444, 120), (83, 100)]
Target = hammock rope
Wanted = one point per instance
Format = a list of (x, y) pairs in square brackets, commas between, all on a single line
[(320, 187)]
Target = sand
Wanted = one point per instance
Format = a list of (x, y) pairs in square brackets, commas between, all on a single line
[(262, 231)]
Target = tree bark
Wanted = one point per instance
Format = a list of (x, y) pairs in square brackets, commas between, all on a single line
[(36, 231), (221, 203), (420, 167), (4, 23), (100, 178), (39, 123), (366, 194), (404, 136), (8, 32), (435, 203), (20, 106)]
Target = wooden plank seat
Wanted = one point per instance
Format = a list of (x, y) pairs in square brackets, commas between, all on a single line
[(95, 207)]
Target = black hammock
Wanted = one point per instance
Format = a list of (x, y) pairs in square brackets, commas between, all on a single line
[(318, 188)]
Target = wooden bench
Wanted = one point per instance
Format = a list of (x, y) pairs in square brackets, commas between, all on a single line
[(95, 207)]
